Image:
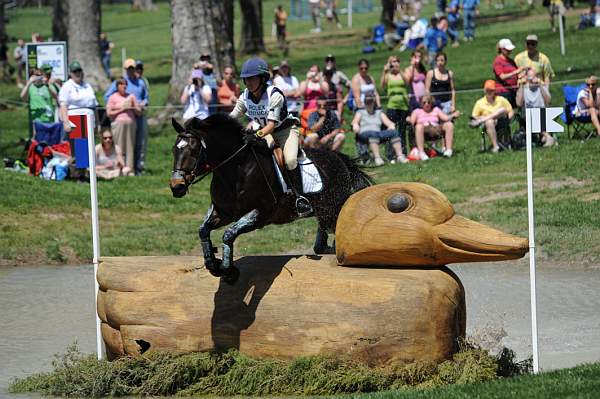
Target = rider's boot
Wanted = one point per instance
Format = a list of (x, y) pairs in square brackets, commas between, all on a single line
[(303, 207)]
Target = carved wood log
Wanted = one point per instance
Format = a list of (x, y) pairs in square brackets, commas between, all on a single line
[(413, 224), (281, 307)]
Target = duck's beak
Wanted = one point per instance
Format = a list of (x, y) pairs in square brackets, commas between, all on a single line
[(462, 240)]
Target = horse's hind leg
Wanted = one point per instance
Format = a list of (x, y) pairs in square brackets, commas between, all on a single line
[(211, 222), (321, 247), (246, 223)]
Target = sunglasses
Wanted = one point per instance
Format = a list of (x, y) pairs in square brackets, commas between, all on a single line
[(107, 138), (364, 68), (426, 102), (532, 44)]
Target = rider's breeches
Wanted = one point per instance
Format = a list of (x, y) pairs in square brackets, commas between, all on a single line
[(288, 140)]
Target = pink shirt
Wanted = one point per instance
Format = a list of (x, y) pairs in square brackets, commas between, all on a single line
[(116, 101), (428, 118)]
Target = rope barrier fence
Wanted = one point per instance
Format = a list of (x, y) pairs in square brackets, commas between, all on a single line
[(301, 101)]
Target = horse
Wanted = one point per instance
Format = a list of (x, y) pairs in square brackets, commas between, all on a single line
[(245, 189)]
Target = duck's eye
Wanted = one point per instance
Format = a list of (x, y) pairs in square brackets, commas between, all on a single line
[(398, 203)]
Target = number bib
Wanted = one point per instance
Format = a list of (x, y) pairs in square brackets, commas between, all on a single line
[(259, 112)]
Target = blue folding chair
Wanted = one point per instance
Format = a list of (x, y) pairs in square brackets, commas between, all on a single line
[(578, 127)]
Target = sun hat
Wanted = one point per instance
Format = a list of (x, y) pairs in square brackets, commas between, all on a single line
[(46, 68), (129, 63), (197, 73), (506, 44), (531, 38), (75, 66), (489, 85), (592, 80)]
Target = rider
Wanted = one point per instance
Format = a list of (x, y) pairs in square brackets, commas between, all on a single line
[(267, 106)]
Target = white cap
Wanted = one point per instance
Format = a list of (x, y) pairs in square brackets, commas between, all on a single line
[(506, 44)]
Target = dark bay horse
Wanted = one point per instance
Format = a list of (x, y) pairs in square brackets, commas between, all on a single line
[(245, 189)]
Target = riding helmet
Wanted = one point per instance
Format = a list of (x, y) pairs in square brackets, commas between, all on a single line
[(255, 67)]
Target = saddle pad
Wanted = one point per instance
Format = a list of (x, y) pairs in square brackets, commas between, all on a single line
[(311, 179)]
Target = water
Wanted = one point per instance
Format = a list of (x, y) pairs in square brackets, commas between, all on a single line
[(44, 309)]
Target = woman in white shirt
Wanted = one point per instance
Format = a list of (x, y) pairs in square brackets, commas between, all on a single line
[(76, 94), (196, 97), (289, 86)]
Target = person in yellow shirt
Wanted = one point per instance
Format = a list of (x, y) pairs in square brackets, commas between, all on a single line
[(492, 111), (532, 58)]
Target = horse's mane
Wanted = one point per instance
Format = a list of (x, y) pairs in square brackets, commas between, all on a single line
[(220, 125)]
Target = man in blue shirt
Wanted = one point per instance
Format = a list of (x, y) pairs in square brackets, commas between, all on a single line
[(138, 88), (470, 10), (435, 38)]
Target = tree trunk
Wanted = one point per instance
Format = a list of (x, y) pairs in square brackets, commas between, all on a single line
[(2, 28), (387, 13), (143, 5), (60, 20), (84, 30), (251, 41), (197, 27)]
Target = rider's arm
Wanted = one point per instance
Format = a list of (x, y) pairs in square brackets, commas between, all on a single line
[(276, 107), (239, 110)]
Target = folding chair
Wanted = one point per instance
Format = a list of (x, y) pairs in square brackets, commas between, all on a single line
[(578, 127), (504, 133)]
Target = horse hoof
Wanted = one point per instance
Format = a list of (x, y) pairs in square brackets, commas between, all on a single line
[(230, 275), (214, 267)]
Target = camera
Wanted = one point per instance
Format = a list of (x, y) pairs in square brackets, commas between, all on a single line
[(196, 82)]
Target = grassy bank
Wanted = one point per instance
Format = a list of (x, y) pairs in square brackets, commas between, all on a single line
[(232, 373), (46, 222)]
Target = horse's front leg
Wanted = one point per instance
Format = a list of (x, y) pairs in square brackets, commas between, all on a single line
[(211, 222), (247, 223)]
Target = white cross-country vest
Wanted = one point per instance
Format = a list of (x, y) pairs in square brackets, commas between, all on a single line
[(259, 112)]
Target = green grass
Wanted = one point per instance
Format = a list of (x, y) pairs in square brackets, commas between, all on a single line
[(48, 222), (231, 373)]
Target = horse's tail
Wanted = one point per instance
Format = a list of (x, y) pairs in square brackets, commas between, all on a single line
[(358, 178)]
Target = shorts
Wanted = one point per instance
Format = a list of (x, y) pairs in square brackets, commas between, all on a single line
[(433, 132)]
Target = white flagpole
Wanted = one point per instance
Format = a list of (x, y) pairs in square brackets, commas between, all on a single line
[(561, 30), (349, 13), (534, 332), (95, 229)]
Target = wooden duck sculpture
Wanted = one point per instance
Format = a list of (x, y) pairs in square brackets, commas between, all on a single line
[(289, 306), (413, 224)]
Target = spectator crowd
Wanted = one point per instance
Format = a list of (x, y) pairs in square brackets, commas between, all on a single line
[(399, 113)]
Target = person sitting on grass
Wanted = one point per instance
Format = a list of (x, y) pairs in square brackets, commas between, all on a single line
[(495, 112), (324, 128), (367, 126), (532, 93), (433, 123), (109, 159), (588, 103)]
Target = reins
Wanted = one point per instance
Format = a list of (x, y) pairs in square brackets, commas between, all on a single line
[(196, 179)]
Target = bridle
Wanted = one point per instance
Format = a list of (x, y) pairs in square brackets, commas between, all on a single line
[(195, 177)]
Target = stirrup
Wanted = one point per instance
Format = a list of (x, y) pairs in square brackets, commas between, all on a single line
[(303, 207)]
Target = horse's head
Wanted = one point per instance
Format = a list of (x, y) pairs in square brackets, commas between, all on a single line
[(189, 158), (202, 145)]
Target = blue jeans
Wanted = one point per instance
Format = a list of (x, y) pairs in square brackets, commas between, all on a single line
[(469, 22), (106, 64), (441, 6), (453, 29), (141, 143)]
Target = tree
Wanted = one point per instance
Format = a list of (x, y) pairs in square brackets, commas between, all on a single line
[(84, 30), (199, 26), (387, 12), (60, 20), (144, 5), (2, 28), (252, 28)]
